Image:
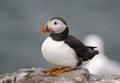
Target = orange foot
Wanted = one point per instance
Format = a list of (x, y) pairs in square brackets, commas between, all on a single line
[(49, 70), (57, 71)]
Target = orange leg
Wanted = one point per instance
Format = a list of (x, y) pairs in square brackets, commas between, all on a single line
[(49, 70), (59, 71)]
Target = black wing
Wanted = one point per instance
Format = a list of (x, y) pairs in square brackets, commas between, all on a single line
[(77, 45), (82, 51)]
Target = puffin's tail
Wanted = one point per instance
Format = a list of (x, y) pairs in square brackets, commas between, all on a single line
[(91, 53), (92, 50)]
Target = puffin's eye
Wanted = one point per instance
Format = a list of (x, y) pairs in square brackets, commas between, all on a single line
[(55, 23)]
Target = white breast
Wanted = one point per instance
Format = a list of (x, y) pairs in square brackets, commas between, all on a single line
[(58, 53)]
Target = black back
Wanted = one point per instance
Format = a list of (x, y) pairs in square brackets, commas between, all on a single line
[(83, 52), (77, 45)]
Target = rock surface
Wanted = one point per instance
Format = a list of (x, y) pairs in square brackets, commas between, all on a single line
[(35, 75)]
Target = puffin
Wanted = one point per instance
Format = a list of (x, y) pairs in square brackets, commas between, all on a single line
[(62, 50)]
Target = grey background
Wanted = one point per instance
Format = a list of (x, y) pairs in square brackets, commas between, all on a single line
[(20, 21)]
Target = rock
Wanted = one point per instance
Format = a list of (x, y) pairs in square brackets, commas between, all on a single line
[(104, 79), (35, 75)]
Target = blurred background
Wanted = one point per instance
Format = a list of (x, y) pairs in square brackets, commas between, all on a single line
[(20, 21)]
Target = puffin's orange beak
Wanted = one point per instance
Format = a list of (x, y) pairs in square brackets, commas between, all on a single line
[(43, 29)]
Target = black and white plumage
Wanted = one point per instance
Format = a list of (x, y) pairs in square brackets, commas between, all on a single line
[(61, 49)]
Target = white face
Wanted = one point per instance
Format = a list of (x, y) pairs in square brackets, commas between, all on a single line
[(57, 26)]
